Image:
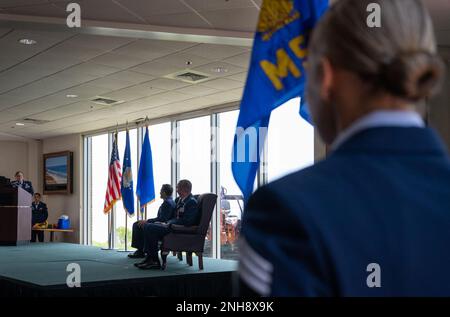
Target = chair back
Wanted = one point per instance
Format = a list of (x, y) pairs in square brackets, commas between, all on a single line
[(206, 204)]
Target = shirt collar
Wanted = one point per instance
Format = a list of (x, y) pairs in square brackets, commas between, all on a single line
[(381, 118)]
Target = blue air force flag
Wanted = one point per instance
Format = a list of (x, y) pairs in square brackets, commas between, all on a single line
[(145, 189), (276, 75), (127, 179)]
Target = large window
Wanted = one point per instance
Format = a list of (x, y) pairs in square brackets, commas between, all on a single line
[(289, 147), (290, 141), (195, 159), (160, 135), (230, 197), (99, 174), (195, 153)]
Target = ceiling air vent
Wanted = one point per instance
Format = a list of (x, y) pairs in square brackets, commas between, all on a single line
[(189, 76), (34, 121), (105, 101)]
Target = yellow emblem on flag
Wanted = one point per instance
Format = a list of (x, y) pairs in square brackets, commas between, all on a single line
[(274, 15)]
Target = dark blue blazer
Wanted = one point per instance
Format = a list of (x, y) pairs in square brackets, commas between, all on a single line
[(39, 212), (165, 212), (382, 197), (187, 212)]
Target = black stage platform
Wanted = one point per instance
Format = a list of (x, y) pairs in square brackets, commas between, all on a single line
[(40, 270)]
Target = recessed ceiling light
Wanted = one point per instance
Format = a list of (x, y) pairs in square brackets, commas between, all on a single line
[(20, 123), (27, 41), (188, 63), (220, 70), (71, 96)]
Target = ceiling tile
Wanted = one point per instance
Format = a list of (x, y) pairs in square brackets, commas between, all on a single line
[(241, 60), (216, 51), (35, 8), (184, 20), (183, 60), (155, 69), (243, 19), (7, 116), (117, 60), (104, 43), (197, 90), (154, 6), (213, 5), (67, 111), (222, 84), (151, 49), (227, 69), (167, 84), (121, 80), (106, 10), (134, 92), (242, 77), (94, 69)]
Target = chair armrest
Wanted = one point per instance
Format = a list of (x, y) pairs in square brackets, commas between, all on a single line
[(184, 229)]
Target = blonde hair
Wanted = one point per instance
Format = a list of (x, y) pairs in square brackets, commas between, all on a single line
[(400, 57)]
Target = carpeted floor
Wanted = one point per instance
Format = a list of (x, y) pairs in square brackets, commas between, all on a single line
[(44, 264)]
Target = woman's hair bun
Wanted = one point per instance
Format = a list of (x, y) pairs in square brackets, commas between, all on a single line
[(413, 75)]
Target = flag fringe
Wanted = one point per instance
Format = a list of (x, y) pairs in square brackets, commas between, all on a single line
[(107, 210)]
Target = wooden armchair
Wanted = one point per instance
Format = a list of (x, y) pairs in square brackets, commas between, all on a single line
[(190, 239)]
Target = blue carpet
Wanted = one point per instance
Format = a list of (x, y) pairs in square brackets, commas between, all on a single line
[(45, 264)]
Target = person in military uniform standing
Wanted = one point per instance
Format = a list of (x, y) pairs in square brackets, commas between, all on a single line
[(39, 214), (20, 182)]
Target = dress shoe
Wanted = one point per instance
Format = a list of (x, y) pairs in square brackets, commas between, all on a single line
[(154, 265), (141, 263), (136, 255)]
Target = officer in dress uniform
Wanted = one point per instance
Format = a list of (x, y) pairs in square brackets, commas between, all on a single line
[(372, 219), (186, 214), (165, 213), (39, 214), (20, 182)]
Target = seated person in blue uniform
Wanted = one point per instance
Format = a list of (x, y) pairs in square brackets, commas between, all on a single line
[(186, 214), (373, 218), (165, 212), (20, 182), (39, 215)]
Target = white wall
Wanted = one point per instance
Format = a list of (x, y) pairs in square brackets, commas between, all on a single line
[(22, 156), (70, 205), (13, 157)]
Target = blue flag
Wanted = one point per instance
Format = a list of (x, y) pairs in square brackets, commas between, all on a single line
[(276, 75), (145, 189), (127, 180)]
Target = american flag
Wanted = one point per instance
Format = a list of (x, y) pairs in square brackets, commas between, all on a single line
[(114, 177)]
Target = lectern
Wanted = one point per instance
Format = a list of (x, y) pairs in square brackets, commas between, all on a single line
[(15, 215)]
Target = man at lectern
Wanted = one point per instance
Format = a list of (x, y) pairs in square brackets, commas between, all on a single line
[(20, 182)]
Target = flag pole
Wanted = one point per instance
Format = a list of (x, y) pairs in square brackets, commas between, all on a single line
[(110, 242), (110, 223), (126, 235), (126, 220), (146, 126)]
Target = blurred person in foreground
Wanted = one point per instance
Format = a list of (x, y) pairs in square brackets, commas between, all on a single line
[(373, 218)]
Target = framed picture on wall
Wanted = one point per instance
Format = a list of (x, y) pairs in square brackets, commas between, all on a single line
[(58, 173)]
